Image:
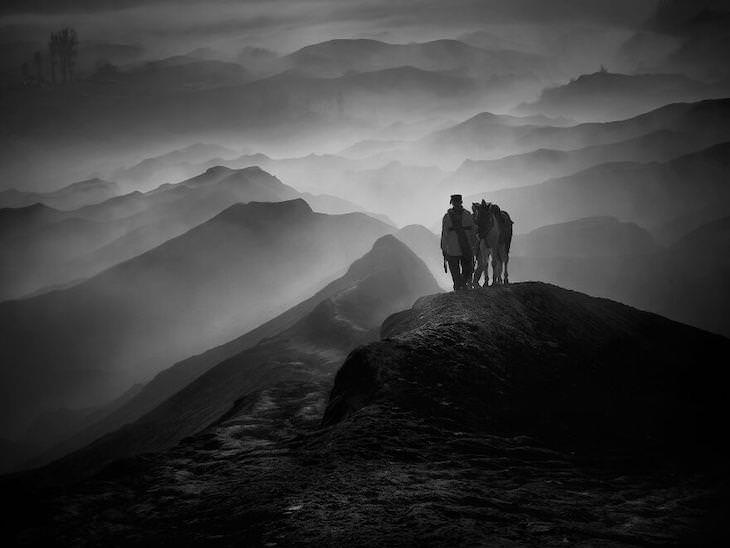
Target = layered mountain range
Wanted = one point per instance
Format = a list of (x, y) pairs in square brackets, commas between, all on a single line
[(234, 328), (199, 289), (42, 247), (304, 345)]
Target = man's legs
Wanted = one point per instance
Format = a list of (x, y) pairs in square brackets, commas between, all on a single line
[(467, 267), (453, 261)]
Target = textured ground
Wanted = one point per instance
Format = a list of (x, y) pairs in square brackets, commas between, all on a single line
[(404, 458)]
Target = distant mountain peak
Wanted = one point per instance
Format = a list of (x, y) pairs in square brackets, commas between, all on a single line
[(90, 183), (254, 170), (390, 241), (415, 228), (289, 208), (390, 252), (216, 170), (339, 43), (485, 117)]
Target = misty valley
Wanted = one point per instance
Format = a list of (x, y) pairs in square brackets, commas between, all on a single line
[(236, 295)]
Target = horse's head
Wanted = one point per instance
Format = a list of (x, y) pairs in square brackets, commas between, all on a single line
[(481, 215), (475, 208)]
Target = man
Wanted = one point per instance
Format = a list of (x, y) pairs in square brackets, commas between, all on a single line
[(457, 236)]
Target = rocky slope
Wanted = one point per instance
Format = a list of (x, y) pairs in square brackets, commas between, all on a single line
[(387, 256), (515, 415), (207, 286)]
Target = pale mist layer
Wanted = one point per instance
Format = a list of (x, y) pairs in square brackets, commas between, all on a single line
[(224, 177)]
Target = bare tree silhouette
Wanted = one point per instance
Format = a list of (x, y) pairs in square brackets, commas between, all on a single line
[(63, 47)]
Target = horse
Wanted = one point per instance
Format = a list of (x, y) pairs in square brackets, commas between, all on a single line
[(482, 250), (494, 233)]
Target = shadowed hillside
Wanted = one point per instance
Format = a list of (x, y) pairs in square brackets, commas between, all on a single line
[(427, 246), (70, 246), (535, 414), (193, 292), (176, 377), (303, 346)]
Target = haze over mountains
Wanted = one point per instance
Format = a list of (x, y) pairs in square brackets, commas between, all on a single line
[(73, 196), (651, 194), (607, 96), (192, 292), (220, 271), (321, 94), (305, 345), (46, 248)]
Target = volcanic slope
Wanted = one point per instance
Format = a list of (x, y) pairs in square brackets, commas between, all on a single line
[(527, 415), (312, 340), (205, 287)]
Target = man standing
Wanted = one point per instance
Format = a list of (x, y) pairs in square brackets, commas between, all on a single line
[(457, 235)]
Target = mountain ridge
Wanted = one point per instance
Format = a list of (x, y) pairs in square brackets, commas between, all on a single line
[(214, 266), (329, 324), (507, 404)]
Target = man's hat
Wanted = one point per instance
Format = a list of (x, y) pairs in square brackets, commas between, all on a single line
[(456, 199)]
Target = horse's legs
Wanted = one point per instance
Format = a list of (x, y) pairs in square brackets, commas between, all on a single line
[(483, 262), (505, 261), (496, 268), (479, 268)]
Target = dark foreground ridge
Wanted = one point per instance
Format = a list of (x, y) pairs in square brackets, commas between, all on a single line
[(541, 359), (526, 414)]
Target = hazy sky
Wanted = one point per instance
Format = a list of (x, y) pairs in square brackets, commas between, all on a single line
[(284, 25), (577, 35)]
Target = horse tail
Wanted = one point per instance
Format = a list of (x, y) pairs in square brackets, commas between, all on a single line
[(507, 230)]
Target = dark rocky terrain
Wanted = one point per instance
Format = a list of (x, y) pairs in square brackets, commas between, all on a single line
[(520, 415)]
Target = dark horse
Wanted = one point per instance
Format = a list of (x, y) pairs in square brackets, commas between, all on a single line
[(494, 238)]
